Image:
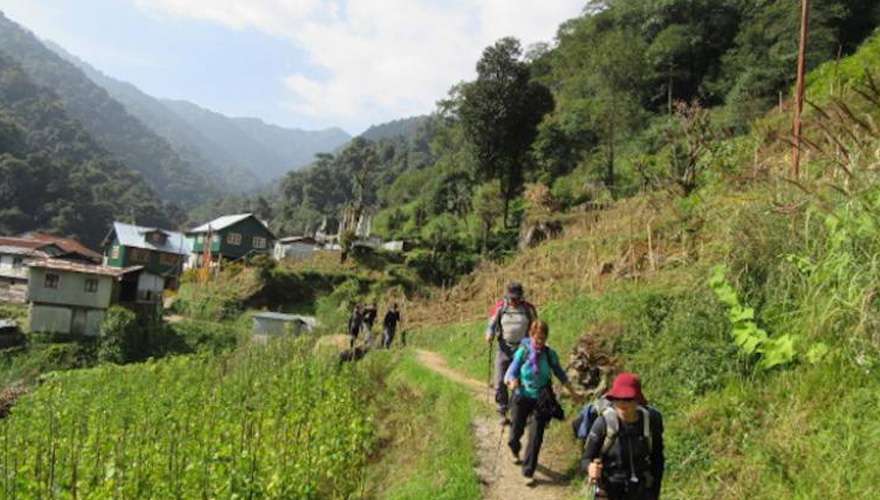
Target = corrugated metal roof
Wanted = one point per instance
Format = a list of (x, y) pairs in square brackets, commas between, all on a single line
[(77, 267), (67, 244), (134, 236), (298, 239), (24, 252), (9, 241), (221, 223)]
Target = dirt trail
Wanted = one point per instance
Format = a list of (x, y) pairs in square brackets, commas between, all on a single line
[(502, 480)]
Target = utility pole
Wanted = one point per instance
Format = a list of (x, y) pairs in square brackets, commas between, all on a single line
[(799, 97)]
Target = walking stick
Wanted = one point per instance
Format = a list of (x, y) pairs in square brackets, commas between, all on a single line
[(489, 377)]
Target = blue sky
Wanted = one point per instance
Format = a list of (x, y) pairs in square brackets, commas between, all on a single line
[(301, 63)]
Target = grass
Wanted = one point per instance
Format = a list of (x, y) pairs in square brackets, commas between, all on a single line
[(426, 437)]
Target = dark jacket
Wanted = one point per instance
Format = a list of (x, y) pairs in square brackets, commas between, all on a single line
[(391, 319), (354, 323), (628, 456), (370, 316)]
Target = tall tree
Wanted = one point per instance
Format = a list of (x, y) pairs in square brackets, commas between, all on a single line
[(500, 112)]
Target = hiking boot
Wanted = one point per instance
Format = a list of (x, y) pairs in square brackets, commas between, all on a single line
[(503, 420), (516, 459), (530, 481)]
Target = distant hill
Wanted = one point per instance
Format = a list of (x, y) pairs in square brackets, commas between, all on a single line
[(403, 127), (106, 120), (53, 175), (189, 143), (242, 153), (268, 151), (296, 147)]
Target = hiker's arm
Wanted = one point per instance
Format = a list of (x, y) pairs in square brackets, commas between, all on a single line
[(512, 374), (658, 459), (556, 367), (493, 324), (593, 446)]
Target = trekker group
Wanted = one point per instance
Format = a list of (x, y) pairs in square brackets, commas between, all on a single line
[(622, 435), (362, 319)]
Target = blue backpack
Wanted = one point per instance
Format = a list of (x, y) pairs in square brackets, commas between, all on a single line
[(584, 421)]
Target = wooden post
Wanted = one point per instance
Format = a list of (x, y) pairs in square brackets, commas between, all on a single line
[(799, 97)]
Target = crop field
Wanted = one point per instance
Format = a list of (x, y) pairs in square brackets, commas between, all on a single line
[(260, 422)]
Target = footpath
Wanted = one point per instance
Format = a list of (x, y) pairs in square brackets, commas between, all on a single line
[(501, 479)]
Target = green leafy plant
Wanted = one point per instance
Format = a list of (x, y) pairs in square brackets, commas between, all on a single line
[(748, 336)]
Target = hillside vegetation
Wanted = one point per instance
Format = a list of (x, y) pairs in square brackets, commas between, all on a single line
[(53, 176), (107, 121), (746, 306)]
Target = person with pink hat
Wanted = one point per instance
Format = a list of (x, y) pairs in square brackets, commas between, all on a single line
[(624, 448)]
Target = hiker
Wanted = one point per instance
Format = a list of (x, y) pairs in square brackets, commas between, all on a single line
[(370, 313), (624, 449), (509, 323), (392, 318), (529, 378), (355, 323)]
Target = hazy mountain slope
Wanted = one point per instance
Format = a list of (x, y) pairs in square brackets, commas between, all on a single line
[(296, 147), (53, 175), (403, 127), (188, 142), (236, 146), (106, 120)]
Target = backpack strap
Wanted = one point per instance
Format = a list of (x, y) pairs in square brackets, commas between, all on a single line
[(646, 428), (612, 428)]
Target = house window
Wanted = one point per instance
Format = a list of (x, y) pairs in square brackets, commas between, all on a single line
[(168, 259), (52, 281), (114, 253), (91, 286), (16, 262), (216, 238), (233, 239), (198, 238), (259, 242), (140, 255)]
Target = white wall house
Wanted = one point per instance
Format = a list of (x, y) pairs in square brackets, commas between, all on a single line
[(71, 298)]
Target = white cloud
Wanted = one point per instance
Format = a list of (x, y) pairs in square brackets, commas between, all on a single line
[(383, 59)]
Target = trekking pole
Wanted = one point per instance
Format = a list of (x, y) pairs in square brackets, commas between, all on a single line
[(489, 378)]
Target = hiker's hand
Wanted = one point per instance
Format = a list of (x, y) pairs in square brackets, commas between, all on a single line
[(489, 339), (595, 470), (513, 384)]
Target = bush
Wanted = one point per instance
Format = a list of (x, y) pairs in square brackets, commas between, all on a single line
[(121, 338)]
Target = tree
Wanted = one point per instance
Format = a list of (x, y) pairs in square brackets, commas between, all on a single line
[(616, 88), (500, 112), (360, 160), (487, 209)]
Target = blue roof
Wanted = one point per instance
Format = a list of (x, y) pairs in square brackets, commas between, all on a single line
[(135, 236)]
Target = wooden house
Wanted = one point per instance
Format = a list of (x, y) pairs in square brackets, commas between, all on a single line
[(17, 252), (161, 254), (232, 237), (70, 297)]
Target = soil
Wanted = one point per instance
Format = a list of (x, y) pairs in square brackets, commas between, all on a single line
[(501, 478)]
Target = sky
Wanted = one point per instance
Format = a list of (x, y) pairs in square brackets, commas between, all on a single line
[(309, 64)]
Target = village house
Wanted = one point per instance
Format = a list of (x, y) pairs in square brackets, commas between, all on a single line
[(70, 297), (16, 252), (232, 237), (296, 247), (161, 254)]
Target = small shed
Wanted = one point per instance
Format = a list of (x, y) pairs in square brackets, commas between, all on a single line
[(276, 324), (296, 247)]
